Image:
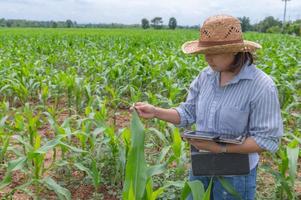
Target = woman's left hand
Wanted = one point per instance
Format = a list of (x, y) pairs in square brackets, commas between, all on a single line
[(205, 145)]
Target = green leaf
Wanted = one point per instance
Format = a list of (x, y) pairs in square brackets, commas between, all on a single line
[(72, 148), (16, 164), (163, 153), (6, 180), (156, 169), (48, 146), (179, 184), (149, 188), (292, 154), (126, 136), (3, 120), (176, 145), (296, 138), (23, 142), (97, 131), (93, 173), (160, 135), (96, 174), (83, 168), (185, 191), (51, 184), (153, 195), (131, 194), (157, 193), (208, 191), (195, 188), (136, 170), (229, 187), (3, 150)]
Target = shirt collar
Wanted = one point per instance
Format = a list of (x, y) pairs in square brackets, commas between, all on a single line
[(246, 72)]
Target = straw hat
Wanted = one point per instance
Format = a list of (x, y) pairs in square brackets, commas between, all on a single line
[(220, 34)]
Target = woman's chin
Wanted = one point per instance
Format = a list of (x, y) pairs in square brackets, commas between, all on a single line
[(215, 68)]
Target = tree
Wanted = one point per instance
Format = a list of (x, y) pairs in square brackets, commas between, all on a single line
[(268, 22), (145, 23), (53, 24), (172, 24), (245, 24), (2, 22), (157, 22), (69, 23), (9, 23), (292, 28), (274, 29)]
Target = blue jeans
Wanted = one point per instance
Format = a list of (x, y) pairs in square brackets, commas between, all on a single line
[(245, 186)]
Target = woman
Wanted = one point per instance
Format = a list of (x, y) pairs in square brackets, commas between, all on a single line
[(230, 96)]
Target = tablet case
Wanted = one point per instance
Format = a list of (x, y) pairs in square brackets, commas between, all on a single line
[(223, 138), (218, 164)]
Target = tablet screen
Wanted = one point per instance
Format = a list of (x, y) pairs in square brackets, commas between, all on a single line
[(215, 136)]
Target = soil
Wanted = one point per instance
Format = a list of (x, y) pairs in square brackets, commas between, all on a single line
[(121, 119)]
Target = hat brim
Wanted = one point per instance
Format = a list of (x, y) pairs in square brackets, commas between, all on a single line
[(192, 47)]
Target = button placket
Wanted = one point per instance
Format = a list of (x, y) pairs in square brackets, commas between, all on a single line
[(214, 105)]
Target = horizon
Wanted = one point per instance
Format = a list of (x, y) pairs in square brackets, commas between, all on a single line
[(130, 12)]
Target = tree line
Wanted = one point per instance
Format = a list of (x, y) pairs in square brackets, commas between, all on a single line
[(30, 23), (58, 24), (271, 25), (267, 25), (157, 23)]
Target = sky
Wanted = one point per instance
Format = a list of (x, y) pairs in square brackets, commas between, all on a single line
[(187, 12)]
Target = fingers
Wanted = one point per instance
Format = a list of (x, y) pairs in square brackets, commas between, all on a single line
[(191, 141), (132, 108), (139, 104), (139, 112), (141, 108), (135, 106)]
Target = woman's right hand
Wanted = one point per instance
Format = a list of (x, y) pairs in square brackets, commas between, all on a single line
[(144, 110)]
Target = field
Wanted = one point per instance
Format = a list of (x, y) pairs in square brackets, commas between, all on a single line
[(65, 126)]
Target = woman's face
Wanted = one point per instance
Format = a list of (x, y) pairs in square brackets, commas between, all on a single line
[(220, 62)]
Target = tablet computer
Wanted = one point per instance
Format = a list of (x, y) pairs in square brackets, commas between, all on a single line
[(223, 138)]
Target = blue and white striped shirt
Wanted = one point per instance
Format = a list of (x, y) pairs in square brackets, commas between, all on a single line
[(246, 104)]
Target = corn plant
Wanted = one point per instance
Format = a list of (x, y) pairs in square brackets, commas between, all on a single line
[(5, 136), (93, 172), (31, 157), (286, 174), (44, 95), (138, 177), (33, 161), (95, 73)]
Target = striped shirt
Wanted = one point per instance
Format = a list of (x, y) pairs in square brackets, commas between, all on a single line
[(246, 104)]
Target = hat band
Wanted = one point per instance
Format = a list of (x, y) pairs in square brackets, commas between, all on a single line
[(214, 43)]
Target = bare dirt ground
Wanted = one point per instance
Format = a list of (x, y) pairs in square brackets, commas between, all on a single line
[(121, 119)]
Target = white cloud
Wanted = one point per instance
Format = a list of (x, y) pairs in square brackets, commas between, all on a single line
[(187, 12)]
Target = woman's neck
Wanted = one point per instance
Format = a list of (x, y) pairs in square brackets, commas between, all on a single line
[(227, 76)]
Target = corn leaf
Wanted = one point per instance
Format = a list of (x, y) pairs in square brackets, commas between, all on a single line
[(136, 170), (62, 193)]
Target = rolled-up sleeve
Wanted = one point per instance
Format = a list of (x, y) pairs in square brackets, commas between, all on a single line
[(266, 125), (187, 109)]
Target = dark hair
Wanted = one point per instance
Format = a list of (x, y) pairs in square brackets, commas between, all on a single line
[(241, 58)]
